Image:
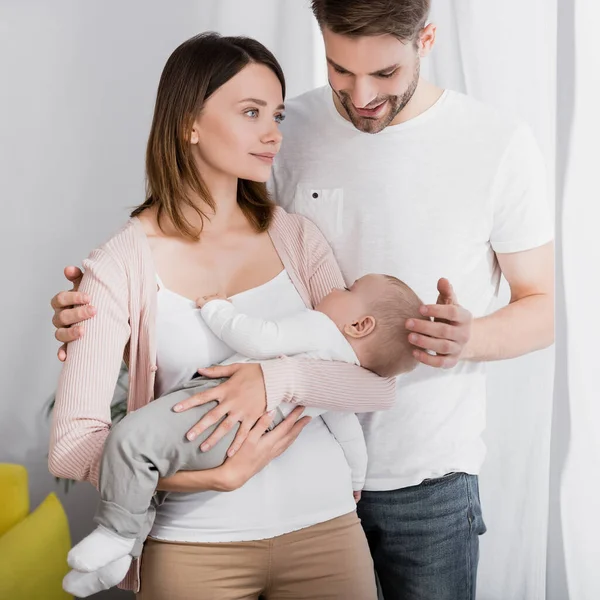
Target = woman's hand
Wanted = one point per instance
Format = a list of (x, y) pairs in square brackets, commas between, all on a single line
[(261, 448), (257, 452), (242, 398)]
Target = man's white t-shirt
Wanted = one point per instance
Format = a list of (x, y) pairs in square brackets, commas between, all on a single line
[(434, 197)]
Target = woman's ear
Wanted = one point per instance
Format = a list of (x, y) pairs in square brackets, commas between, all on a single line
[(363, 327), (195, 133)]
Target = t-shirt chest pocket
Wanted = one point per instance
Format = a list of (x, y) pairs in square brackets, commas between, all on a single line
[(323, 206)]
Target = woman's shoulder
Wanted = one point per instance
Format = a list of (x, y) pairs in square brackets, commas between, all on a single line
[(123, 247), (298, 226)]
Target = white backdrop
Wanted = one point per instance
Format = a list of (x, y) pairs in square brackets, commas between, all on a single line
[(504, 53), (76, 95), (574, 555)]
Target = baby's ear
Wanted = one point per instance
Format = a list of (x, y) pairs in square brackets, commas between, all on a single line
[(362, 328)]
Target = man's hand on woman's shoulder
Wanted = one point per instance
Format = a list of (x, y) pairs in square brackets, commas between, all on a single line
[(70, 307)]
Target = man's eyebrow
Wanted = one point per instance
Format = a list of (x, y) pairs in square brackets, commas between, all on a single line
[(259, 102), (385, 70)]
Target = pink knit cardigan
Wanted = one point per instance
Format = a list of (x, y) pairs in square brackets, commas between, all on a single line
[(121, 280)]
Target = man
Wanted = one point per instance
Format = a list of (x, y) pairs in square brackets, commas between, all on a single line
[(407, 179)]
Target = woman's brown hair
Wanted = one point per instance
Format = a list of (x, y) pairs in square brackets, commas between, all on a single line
[(195, 70)]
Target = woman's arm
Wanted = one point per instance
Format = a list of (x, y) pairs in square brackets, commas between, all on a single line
[(81, 418), (324, 384)]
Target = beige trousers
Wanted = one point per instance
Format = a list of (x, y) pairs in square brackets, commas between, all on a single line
[(328, 561)]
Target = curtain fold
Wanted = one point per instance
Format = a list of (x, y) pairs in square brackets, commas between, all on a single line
[(574, 556)]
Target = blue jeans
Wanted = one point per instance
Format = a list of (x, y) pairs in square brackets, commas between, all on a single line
[(425, 539)]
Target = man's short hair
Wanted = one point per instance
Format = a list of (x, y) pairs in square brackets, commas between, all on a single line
[(403, 19)]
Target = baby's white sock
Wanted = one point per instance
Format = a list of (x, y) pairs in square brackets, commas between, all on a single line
[(82, 584), (99, 548)]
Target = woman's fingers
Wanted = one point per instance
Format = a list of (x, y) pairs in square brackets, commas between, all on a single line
[(226, 425), (290, 437), (240, 438), (208, 420), (216, 393)]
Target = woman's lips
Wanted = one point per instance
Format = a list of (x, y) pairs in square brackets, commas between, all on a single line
[(266, 157)]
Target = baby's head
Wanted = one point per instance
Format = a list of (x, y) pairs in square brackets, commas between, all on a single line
[(372, 314)]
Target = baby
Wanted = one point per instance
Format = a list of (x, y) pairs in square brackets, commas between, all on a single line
[(363, 325)]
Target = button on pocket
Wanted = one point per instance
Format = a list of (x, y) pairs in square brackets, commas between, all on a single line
[(323, 206)]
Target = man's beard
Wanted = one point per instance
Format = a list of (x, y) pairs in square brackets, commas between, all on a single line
[(396, 104)]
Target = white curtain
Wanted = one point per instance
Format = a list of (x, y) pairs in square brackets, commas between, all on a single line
[(541, 481), (574, 556)]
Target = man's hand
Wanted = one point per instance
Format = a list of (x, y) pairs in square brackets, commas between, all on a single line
[(357, 495), (447, 335), (242, 398), (69, 308)]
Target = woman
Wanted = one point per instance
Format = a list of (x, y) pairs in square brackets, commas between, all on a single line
[(238, 531)]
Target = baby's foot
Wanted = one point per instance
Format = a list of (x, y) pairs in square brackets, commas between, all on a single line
[(98, 549), (82, 585)]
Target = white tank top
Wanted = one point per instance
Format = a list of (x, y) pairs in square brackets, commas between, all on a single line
[(308, 484)]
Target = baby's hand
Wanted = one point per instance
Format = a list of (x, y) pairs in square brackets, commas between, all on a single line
[(205, 299), (357, 496)]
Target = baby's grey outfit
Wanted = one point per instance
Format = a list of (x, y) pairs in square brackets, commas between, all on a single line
[(150, 443)]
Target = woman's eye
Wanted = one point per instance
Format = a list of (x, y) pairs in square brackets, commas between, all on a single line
[(279, 118), (252, 113)]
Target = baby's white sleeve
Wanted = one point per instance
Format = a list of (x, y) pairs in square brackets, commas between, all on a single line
[(260, 339), (346, 429)]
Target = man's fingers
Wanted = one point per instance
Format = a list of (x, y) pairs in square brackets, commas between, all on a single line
[(446, 291), (219, 371), (68, 334), (68, 299), (70, 316), (228, 423), (73, 274), (448, 312), (62, 353), (439, 362), (442, 331), (440, 346)]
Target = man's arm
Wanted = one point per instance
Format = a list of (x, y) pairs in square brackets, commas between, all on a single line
[(527, 323), (520, 235)]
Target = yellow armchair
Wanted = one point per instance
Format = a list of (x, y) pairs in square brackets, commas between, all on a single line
[(33, 546)]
